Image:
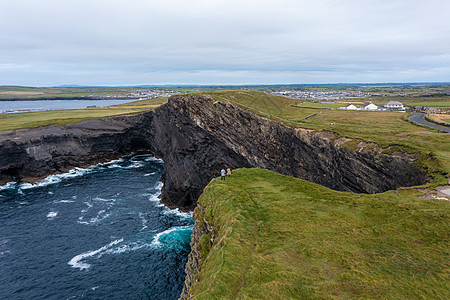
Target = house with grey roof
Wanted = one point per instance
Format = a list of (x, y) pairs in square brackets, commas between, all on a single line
[(394, 105)]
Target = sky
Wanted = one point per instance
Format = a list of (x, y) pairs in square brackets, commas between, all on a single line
[(223, 42)]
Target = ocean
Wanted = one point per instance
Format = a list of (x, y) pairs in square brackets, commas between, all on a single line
[(93, 233)]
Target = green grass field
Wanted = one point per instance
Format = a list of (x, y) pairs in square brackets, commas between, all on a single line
[(277, 237), (62, 117), (440, 104), (320, 105)]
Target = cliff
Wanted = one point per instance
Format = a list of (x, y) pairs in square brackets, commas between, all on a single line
[(31, 154), (197, 136), (262, 235)]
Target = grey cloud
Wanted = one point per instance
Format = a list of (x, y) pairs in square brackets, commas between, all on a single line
[(214, 42)]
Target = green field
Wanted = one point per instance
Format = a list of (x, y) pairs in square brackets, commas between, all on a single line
[(320, 105), (62, 117), (277, 237), (439, 104)]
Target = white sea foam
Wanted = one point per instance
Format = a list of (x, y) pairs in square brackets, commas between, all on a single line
[(112, 162), (127, 248), (64, 201), (114, 166), (159, 185), (51, 179), (9, 185), (154, 197), (103, 199), (51, 215), (101, 215), (144, 221), (150, 174), (156, 239), (177, 212), (89, 206), (76, 262), (134, 165), (75, 172), (82, 222), (154, 159)]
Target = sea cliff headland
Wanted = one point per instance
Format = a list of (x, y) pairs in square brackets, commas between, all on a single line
[(196, 136)]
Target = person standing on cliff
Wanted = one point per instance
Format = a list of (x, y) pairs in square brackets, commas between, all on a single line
[(222, 174), (228, 172)]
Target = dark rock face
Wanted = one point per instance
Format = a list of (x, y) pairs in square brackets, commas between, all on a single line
[(196, 137), (200, 136), (31, 154)]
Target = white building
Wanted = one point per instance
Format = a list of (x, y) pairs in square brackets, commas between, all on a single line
[(369, 106), (351, 107), (394, 105)]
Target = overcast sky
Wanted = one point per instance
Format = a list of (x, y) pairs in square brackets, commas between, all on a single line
[(128, 42)]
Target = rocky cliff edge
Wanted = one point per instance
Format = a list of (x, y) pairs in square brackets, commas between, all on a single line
[(196, 137)]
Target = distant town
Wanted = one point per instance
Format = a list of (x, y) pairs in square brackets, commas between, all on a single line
[(139, 94), (322, 95)]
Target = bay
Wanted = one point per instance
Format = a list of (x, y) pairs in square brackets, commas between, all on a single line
[(7, 106)]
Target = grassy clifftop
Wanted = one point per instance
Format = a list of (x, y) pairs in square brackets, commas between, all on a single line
[(277, 237)]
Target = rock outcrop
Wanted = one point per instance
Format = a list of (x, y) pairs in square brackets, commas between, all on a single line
[(31, 154), (197, 136)]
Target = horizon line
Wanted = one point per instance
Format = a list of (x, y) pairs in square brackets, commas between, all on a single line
[(224, 85)]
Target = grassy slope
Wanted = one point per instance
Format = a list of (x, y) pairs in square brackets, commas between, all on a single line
[(384, 128), (284, 238), (61, 117)]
